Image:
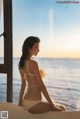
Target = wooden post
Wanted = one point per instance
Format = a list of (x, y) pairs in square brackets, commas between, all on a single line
[(7, 9)]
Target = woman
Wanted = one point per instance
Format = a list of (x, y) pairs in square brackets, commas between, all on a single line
[(29, 71)]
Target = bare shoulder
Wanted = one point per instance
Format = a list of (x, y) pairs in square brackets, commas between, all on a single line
[(33, 63), (33, 66)]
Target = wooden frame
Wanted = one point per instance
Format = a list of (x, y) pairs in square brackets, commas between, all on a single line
[(7, 66)]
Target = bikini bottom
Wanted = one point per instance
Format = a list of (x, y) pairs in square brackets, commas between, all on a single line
[(27, 104)]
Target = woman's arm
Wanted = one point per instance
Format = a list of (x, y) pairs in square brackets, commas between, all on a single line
[(41, 84), (22, 86)]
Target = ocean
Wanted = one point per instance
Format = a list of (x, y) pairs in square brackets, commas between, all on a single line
[(62, 81)]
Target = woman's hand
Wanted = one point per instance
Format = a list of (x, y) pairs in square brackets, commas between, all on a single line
[(56, 108)]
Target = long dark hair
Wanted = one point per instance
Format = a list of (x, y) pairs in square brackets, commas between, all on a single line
[(28, 43)]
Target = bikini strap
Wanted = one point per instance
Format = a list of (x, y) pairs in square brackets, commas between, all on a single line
[(28, 67), (28, 72)]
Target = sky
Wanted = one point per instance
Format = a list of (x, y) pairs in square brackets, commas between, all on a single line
[(57, 26)]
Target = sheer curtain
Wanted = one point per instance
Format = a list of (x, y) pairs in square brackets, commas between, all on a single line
[(0, 7)]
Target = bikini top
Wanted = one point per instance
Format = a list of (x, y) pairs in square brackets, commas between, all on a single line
[(30, 74)]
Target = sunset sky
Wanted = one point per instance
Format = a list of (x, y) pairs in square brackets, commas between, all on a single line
[(57, 25)]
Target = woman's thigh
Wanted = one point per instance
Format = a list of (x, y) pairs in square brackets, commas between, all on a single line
[(40, 108)]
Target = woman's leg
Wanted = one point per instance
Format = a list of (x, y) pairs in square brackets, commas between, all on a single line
[(40, 108)]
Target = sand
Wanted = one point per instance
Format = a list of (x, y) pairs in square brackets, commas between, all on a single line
[(17, 112)]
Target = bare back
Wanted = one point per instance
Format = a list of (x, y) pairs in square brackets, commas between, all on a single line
[(33, 91)]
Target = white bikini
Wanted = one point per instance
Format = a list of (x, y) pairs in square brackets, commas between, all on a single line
[(30, 103)]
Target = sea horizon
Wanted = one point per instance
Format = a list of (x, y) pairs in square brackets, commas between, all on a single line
[(47, 57)]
